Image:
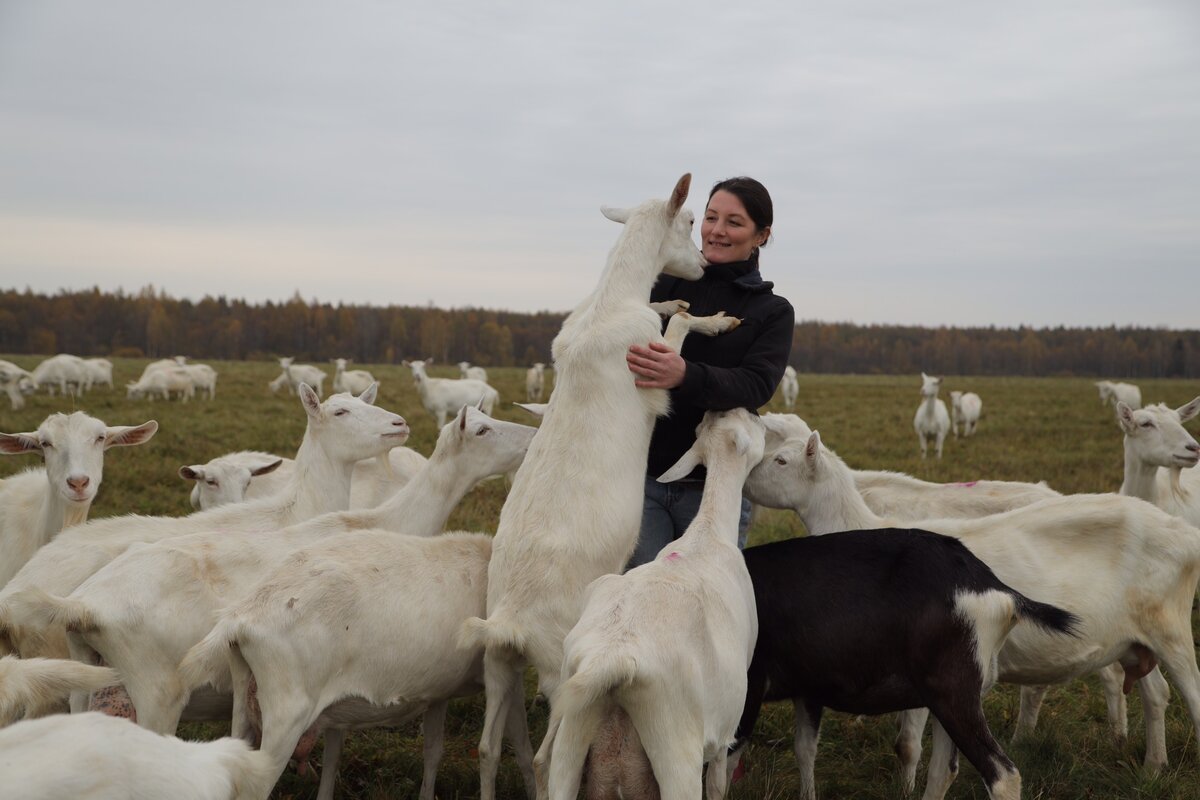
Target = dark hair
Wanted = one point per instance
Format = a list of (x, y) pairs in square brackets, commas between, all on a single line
[(754, 197)]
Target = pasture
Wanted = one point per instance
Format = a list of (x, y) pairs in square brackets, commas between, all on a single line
[(1031, 429)]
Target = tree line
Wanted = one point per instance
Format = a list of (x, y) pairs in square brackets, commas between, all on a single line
[(150, 323)]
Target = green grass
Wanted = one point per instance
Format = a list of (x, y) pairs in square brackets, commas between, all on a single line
[(1031, 429)]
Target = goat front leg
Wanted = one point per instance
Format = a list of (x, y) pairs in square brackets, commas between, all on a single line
[(668, 308), (1155, 693), (683, 323)]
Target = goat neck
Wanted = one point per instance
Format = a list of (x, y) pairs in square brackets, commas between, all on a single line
[(320, 483), (1141, 477), (834, 503), (629, 275)]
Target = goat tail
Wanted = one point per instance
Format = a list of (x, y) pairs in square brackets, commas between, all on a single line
[(207, 661), (34, 608), (1045, 616), (595, 677), (33, 687), (496, 632)]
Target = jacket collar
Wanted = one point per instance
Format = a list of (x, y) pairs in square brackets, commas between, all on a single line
[(743, 274)]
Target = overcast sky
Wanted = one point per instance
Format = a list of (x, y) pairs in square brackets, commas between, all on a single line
[(936, 163)]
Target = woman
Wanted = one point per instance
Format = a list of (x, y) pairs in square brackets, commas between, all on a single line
[(741, 368)]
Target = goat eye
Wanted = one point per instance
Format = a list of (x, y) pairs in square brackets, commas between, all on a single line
[(482, 430), (781, 461), (211, 483), (100, 438), (46, 445), (1147, 424), (341, 412)]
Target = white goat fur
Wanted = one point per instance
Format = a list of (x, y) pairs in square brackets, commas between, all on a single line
[(789, 386), (66, 372), (1128, 570), (442, 396), (35, 687), (1157, 449), (1113, 392), (187, 580), (352, 380), (931, 421), (332, 443), (98, 757), (569, 520), (965, 408), (636, 643), (38, 503)]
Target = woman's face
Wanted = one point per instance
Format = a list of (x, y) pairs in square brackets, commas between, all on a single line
[(727, 233)]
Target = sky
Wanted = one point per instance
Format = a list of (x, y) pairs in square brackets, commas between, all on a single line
[(931, 162)]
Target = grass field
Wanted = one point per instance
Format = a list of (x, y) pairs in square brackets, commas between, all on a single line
[(1031, 429)]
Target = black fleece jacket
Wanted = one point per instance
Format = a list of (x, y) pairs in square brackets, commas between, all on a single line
[(739, 369)]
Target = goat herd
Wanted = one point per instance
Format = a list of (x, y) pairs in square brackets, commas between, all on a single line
[(276, 608)]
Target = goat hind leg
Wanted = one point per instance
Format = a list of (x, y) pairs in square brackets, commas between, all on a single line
[(804, 745), (908, 745), (962, 725), (433, 735), (502, 684)]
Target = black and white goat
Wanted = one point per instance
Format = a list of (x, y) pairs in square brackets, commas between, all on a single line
[(873, 621)]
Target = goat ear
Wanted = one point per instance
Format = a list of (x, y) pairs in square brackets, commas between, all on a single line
[(683, 467), (127, 436), (404, 362), (462, 418), (369, 394), (1125, 417), (479, 405), (1188, 410), (17, 443), (615, 214), (192, 473), (812, 449), (924, 377), (537, 409), (263, 470), (679, 194), (310, 401)]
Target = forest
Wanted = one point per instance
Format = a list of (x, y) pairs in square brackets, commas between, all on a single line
[(150, 323)]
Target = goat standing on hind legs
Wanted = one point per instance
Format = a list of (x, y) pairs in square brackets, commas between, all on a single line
[(569, 520)]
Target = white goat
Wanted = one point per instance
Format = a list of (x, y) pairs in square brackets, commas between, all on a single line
[(186, 580), (97, 757), (790, 386), (474, 373), (302, 373), (964, 410), (568, 520), (16, 383), (64, 371), (903, 498), (340, 431), (535, 382), (35, 687), (354, 380), (931, 421), (1112, 393), (204, 379), (442, 396), (99, 370), (1126, 569), (38, 503), (1154, 438), (162, 382), (637, 640)]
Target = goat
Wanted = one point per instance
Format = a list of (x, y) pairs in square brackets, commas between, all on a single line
[(931, 421)]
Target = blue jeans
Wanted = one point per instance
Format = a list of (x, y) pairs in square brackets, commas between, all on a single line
[(667, 510)]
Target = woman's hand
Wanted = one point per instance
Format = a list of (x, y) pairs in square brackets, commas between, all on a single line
[(658, 366)]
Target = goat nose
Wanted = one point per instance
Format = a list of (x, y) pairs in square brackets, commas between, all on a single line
[(1194, 447), (78, 482)]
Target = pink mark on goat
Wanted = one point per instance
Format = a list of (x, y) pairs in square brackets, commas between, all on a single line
[(967, 485), (673, 556), (114, 701)]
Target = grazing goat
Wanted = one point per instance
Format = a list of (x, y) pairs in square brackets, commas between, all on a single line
[(302, 373), (535, 383), (38, 503), (340, 431), (931, 421), (638, 639), (1112, 393), (442, 396), (790, 386), (568, 521), (97, 757), (1126, 569), (66, 372), (964, 410), (16, 383)]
